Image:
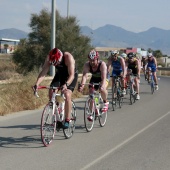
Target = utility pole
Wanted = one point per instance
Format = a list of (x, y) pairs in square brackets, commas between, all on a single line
[(53, 31), (68, 7)]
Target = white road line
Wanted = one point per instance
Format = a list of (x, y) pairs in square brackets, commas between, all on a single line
[(124, 142)]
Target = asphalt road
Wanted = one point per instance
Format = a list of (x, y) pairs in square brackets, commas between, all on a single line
[(135, 137)]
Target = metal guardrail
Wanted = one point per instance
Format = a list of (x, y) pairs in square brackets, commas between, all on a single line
[(164, 68)]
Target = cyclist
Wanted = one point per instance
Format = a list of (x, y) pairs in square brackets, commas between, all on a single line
[(124, 56), (152, 63), (139, 58), (134, 65), (119, 68), (98, 69), (66, 77), (143, 65)]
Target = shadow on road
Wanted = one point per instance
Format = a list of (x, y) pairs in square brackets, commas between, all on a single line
[(23, 142)]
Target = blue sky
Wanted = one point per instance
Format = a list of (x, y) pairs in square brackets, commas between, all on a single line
[(132, 15)]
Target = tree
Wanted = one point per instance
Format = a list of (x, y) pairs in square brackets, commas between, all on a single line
[(6, 47), (158, 54), (32, 52)]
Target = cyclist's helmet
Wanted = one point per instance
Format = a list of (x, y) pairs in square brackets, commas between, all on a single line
[(93, 55), (55, 56), (130, 55), (113, 52), (124, 55), (150, 55)]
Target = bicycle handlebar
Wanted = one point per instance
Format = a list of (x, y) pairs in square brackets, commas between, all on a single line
[(91, 84), (49, 87)]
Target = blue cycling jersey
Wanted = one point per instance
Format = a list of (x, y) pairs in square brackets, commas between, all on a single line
[(152, 65), (117, 65)]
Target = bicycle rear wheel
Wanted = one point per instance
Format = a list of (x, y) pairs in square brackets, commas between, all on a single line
[(68, 133), (89, 114), (48, 125)]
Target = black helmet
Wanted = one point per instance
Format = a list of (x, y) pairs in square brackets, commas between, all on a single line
[(130, 55)]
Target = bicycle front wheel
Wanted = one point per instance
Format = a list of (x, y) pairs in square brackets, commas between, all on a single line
[(114, 98), (48, 125), (152, 87), (89, 114), (132, 96), (119, 97), (102, 115), (68, 133)]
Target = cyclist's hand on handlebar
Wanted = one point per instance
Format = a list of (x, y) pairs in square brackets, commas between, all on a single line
[(35, 89), (80, 87), (63, 88)]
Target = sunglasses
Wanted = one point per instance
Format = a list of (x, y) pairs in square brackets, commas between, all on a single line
[(114, 55)]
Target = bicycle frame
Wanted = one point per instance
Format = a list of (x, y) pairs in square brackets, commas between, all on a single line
[(53, 100), (117, 93), (95, 94), (93, 109)]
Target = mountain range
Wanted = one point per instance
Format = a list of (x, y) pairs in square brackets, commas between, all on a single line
[(113, 36)]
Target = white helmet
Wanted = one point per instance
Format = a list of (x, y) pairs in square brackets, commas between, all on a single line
[(124, 55), (150, 55), (114, 52)]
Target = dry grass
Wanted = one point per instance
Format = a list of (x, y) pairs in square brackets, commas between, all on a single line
[(19, 96), (7, 68)]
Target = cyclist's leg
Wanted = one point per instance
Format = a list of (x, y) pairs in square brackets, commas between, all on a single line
[(114, 74), (122, 83), (104, 95), (136, 83), (144, 70), (148, 73), (68, 101), (155, 77)]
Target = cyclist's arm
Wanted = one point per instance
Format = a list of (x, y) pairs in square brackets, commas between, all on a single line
[(109, 65), (103, 69), (85, 71), (138, 67), (155, 61), (122, 61), (44, 71)]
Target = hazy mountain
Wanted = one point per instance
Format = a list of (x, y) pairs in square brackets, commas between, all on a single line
[(13, 33), (110, 35), (113, 36)]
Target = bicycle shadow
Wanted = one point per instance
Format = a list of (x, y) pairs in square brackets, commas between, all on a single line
[(21, 142)]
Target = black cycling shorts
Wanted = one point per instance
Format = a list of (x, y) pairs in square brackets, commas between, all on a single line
[(60, 79)]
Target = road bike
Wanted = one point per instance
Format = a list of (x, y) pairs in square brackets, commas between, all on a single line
[(93, 109), (130, 87), (117, 97), (53, 117), (151, 80)]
